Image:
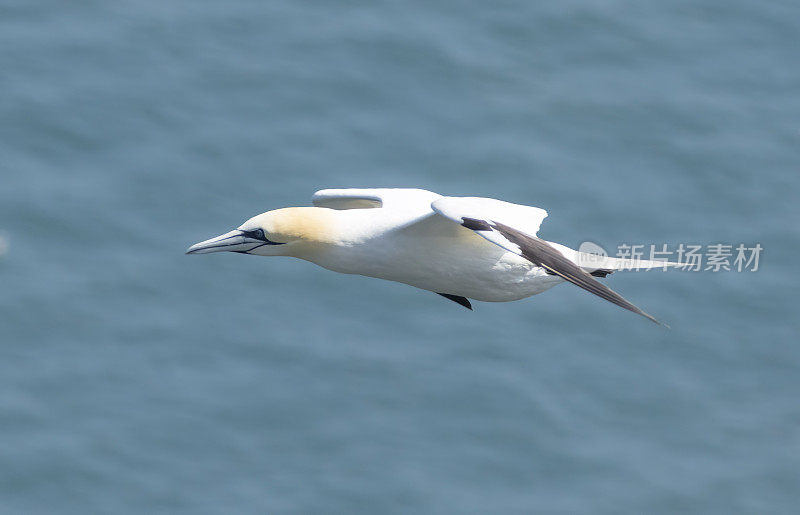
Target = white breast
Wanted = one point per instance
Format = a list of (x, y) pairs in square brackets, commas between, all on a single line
[(434, 254)]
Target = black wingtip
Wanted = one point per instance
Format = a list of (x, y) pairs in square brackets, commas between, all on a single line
[(541, 253), (476, 224), (657, 321), (462, 301)]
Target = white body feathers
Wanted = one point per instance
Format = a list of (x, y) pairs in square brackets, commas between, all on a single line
[(416, 237), (461, 247)]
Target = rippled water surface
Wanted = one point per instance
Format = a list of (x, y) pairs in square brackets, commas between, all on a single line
[(134, 379)]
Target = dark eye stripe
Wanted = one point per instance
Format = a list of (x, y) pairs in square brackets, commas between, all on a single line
[(258, 234)]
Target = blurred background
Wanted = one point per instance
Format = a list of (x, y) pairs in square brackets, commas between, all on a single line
[(136, 379)]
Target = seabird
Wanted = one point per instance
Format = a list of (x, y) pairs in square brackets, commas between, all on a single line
[(459, 247)]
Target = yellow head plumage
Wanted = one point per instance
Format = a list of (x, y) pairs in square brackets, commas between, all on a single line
[(293, 231), (298, 227)]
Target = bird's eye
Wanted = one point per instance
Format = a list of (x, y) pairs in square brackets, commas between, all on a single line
[(257, 234)]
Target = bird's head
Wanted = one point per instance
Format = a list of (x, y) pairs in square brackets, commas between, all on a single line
[(291, 231)]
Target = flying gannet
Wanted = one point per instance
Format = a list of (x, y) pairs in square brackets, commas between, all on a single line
[(459, 247)]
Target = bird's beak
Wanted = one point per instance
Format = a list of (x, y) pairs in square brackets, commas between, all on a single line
[(234, 241)]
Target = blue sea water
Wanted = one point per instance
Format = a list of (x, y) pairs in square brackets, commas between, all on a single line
[(134, 379)]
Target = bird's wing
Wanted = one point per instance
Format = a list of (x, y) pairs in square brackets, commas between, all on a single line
[(513, 227), (524, 218), (371, 198)]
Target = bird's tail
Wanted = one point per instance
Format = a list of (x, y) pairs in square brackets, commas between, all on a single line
[(599, 264)]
